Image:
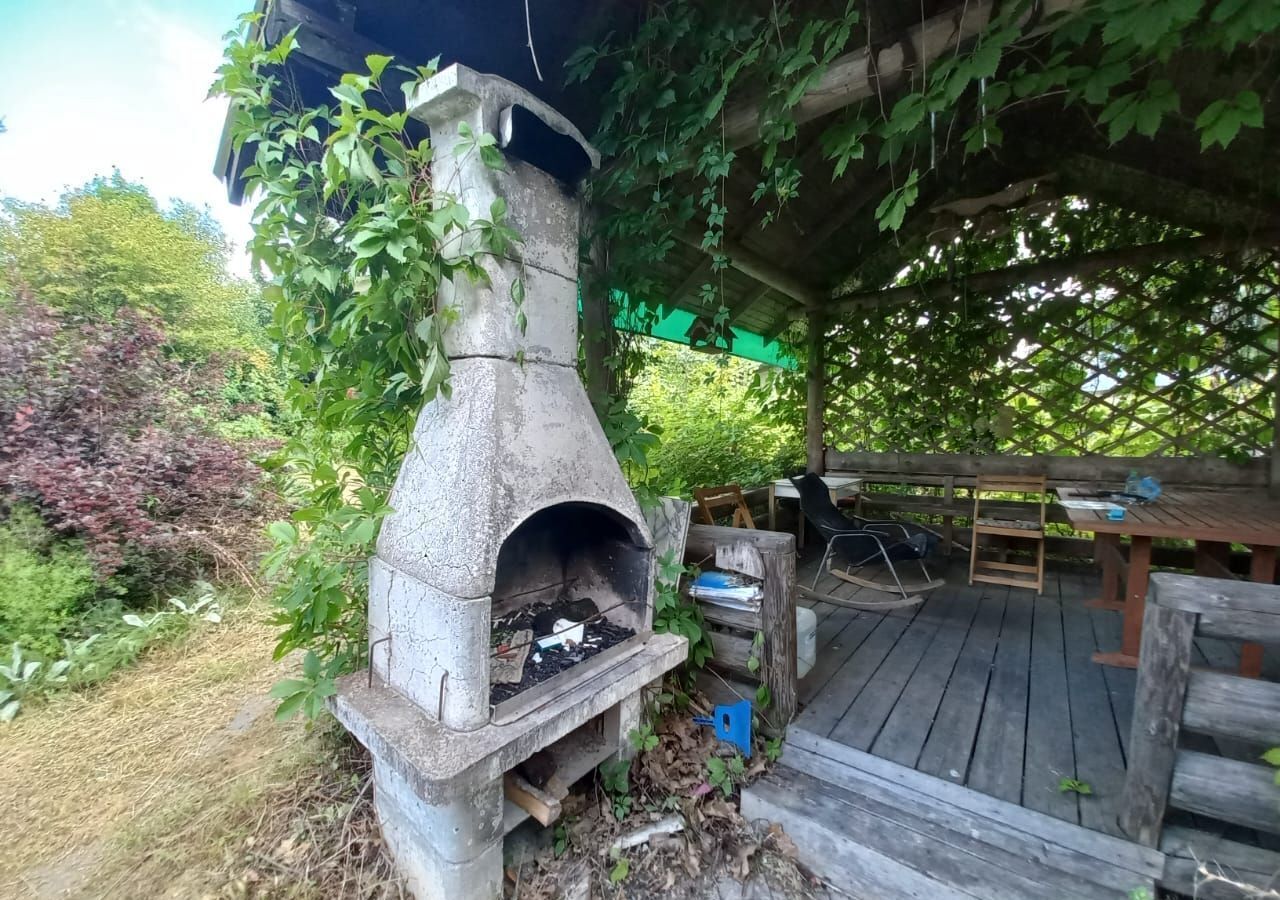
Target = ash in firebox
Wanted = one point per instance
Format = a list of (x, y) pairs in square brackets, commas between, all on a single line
[(541, 664)]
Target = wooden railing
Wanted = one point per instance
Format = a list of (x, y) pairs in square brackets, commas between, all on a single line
[(1173, 698), (946, 481)]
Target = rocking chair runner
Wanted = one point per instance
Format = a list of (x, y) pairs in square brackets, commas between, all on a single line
[(858, 543)]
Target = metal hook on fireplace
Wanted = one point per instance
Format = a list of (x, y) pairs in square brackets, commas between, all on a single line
[(444, 679), (382, 640)]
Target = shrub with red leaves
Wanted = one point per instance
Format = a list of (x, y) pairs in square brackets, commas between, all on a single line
[(96, 432)]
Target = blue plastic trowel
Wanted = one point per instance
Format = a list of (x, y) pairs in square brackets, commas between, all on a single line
[(732, 723)]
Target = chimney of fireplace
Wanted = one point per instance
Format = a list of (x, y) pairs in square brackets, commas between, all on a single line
[(516, 437)]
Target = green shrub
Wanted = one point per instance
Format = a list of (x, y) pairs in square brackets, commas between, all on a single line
[(44, 585), (712, 429)]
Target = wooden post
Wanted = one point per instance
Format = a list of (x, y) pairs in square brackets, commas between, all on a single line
[(948, 522), (771, 557), (1274, 481), (1157, 717), (815, 397), (597, 328)]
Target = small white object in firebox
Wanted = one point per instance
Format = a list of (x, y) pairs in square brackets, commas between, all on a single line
[(564, 631)]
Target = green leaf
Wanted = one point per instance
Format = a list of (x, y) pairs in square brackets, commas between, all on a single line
[(287, 688), (348, 94), (290, 706), (621, 869), (1272, 756), (283, 532), (376, 63)]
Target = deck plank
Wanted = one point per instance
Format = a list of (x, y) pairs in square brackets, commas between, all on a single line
[(996, 768), (949, 747), (907, 727), (1011, 841), (1099, 759), (1050, 755), (841, 691), (861, 724), (1121, 683)]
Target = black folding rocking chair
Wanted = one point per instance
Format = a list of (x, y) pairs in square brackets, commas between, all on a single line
[(858, 543)]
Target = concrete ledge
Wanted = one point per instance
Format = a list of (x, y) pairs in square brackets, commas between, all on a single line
[(440, 764)]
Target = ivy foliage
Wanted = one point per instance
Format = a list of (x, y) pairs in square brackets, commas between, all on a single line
[(358, 238), (1170, 358), (670, 92)]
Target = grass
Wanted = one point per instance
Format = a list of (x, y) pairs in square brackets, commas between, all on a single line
[(112, 786)]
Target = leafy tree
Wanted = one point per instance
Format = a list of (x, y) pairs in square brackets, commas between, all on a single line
[(108, 246), (709, 420)]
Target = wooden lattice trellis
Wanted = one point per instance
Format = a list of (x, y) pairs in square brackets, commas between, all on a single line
[(1173, 360)]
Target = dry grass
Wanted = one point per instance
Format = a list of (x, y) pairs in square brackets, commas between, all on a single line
[(173, 781), (190, 724)]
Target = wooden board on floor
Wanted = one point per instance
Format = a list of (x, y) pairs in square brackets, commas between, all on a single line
[(1050, 755), (996, 768), (904, 733), (844, 687), (874, 828), (861, 724), (1099, 760), (949, 746)]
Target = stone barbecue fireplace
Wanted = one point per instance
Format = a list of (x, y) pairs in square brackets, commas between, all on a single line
[(511, 597)]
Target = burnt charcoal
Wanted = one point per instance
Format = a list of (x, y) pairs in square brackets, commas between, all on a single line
[(538, 769), (545, 622), (581, 610), (598, 636)]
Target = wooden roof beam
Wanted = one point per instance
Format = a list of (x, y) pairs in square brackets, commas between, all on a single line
[(758, 269), (329, 42), (858, 76), (1049, 270)]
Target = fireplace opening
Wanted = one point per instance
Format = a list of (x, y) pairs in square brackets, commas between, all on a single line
[(571, 585)]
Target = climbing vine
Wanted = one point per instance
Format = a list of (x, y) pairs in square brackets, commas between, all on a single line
[(673, 104), (354, 231)]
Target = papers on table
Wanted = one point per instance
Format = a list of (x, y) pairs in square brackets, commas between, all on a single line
[(1086, 504)]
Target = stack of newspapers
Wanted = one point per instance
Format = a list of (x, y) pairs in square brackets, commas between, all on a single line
[(727, 589)]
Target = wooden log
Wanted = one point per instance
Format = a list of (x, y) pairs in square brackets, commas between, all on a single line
[(1226, 705), (536, 802), (1049, 270), (1162, 684), (757, 268), (859, 75), (1227, 789)]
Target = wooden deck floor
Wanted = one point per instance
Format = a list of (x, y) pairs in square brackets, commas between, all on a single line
[(989, 687)]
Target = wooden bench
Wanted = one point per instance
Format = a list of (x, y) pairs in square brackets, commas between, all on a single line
[(949, 478), (1172, 698)]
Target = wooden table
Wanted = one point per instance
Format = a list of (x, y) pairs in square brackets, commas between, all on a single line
[(1213, 519), (839, 488)]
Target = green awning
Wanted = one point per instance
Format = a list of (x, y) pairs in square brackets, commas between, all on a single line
[(674, 325)]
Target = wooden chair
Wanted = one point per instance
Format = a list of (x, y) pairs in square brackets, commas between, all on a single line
[(1237, 712), (717, 501), (990, 517)]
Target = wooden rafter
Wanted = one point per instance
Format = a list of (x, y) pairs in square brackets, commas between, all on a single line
[(759, 269), (332, 43), (858, 75), (1053, 269), (1164, 198)]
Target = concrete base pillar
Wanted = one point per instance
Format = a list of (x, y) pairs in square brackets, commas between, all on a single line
[(449, 851)]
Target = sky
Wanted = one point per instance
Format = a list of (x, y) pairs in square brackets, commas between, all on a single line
[(88, 85)]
